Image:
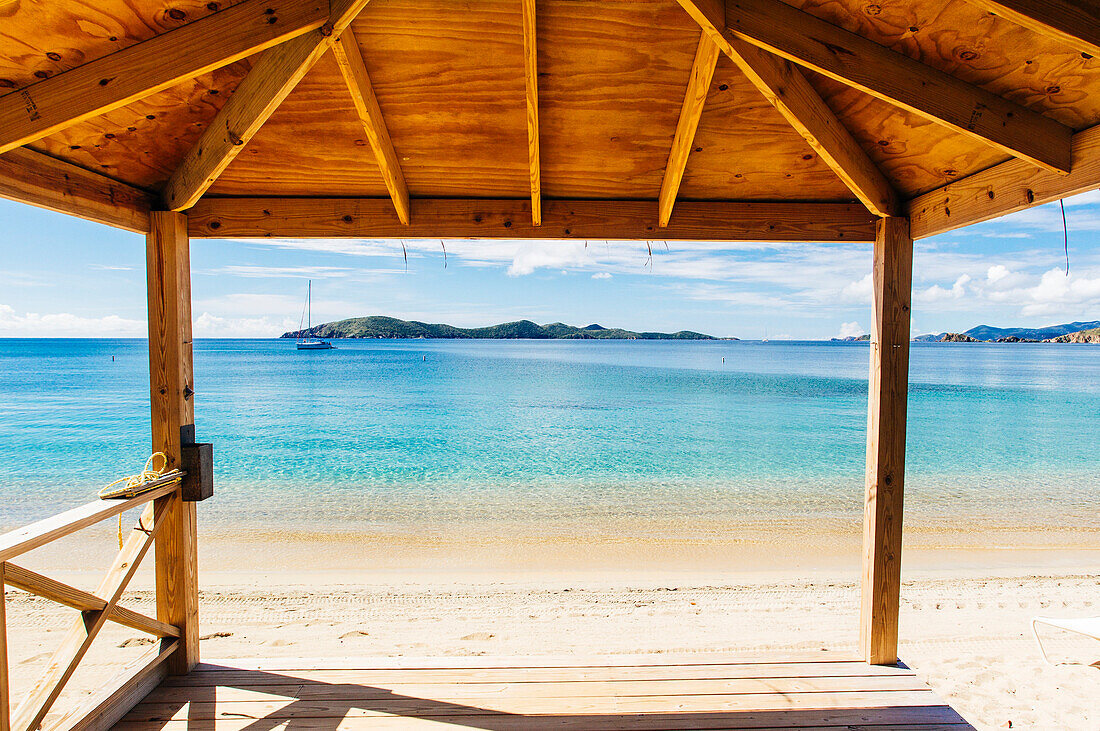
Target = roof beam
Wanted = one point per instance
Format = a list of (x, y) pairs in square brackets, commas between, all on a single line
[(1073, 22), (896, 78), (787, 89), (702, 73), (511, 219), (40, 180), (350, 60), (153, 65), (1006, 188), (531, 78), (257, 97)]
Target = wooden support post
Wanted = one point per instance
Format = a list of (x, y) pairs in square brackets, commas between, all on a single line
[(171, 387), (5, 700), (889, 385)]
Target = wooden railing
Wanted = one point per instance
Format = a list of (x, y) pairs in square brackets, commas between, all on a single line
[(96, 609)]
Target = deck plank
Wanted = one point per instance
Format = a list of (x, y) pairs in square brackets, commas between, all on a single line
[(517, 693)]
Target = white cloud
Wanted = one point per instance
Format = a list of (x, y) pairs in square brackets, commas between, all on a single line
[(265, 272), (534, 255), (859, 290), (66, 325), (601, 275), (935, 293), (850, 330), (207, 325)]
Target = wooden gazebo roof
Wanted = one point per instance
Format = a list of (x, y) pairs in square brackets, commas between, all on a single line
[(750, 119)]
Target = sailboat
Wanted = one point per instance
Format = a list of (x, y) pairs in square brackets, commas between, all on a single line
[(307, 343)]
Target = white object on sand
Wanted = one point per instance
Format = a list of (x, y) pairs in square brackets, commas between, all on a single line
[(1088, 626)]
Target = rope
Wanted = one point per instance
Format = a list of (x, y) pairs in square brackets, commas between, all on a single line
[(150, 477)]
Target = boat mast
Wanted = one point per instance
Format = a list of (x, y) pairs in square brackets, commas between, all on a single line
[(309, 297)]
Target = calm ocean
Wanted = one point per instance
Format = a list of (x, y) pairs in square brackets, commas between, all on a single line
[(555, 430)]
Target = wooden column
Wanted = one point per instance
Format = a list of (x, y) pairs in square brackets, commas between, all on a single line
[(171, 386), (889, 385), (5, 700)]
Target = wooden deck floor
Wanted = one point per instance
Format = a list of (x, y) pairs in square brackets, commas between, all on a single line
[(538, 693)]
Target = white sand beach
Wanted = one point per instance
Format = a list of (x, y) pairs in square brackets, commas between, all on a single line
[(964, 633)]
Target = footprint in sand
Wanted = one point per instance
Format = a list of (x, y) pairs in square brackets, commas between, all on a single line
[(136, 642), (354, 633), (479, 636)]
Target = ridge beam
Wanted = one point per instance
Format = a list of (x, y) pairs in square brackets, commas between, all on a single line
[(350, 60), (900, 80), (153, 65), (702, 74), (257, 97)]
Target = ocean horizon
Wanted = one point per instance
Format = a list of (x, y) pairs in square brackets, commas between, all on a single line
[(596, 441)]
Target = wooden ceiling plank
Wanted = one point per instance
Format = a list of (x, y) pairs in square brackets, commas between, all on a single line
[(30, 177), (531, 80), (1073, 22), (702, 73), (1006, 188), (450, 218), (257, 97), (350, 60), (145, 68), (896, 78), (787, 89)]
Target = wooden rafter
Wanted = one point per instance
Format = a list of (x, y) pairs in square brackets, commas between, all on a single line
[(82, 601), (350, 60), (37, 703), (702, 73), (561, 219), (153, 65), (40, 180), (531, 81), (260, 93), (787, 89), (896, 78), (1073, 22), (1006, 188)]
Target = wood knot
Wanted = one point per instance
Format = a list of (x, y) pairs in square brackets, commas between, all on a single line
[(872, 9), (176, 14), (53, 56), (1053, 89), (966, 54), (42, 74), (215, 225), (7, 84), (1030, 195), (348, 219), (507, 224), (212, 7)]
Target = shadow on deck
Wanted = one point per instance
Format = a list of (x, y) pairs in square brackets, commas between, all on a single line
[(532, 694)]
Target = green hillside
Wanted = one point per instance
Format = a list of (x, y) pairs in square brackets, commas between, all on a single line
[(389, 328)]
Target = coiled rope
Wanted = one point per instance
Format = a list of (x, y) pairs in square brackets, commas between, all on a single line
[(152, 476)]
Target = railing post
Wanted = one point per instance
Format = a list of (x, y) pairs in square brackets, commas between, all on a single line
[(5, 698), (888, 393), (173, 420)]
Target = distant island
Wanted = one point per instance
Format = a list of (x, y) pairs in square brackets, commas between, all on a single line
[(1071, 332), (390, 328)]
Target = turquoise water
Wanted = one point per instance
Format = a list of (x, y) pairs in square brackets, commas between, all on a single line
[(415, 431)]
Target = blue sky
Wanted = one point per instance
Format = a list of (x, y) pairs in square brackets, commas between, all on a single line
[(62, 277)]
